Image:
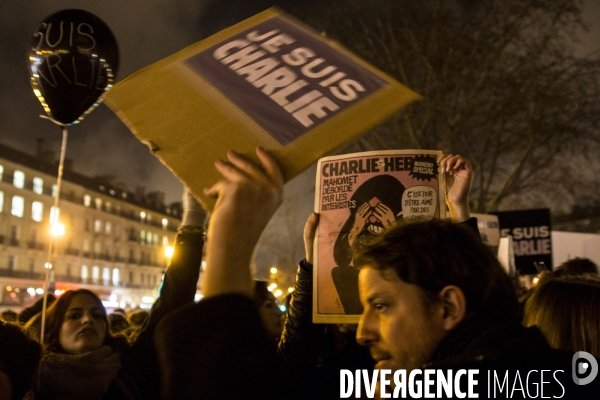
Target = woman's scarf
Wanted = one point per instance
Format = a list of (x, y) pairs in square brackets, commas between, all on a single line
[(81, 376)]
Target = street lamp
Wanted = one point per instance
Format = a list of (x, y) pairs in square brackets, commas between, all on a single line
[(169, 251)]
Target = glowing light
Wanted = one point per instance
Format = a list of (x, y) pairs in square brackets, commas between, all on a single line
[(278, 293), (282, 308), (31, 291), (169, 251), (39, 290), (112, 304), (9, 288), (290, 289), (113, 298), (48, 266), (148, 299), (198, 297), (535, 280), (273, 270), (57, 230)]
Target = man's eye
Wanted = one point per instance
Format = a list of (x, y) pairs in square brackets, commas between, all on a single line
[(380, 307)]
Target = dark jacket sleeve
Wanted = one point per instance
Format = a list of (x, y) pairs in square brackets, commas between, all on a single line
[(302, 340), (178, 289), (218, 349)]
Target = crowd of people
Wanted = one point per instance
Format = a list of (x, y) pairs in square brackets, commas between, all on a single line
[(432, 295)]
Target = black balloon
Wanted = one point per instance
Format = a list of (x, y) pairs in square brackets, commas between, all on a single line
[(73, 60)]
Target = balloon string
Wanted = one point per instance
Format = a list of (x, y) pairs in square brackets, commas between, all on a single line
[(53, 220)]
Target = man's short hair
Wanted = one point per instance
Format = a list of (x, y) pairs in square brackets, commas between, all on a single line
[(20, 356), (435, 254)]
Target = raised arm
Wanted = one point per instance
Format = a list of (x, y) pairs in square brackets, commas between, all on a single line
[(459, 177)]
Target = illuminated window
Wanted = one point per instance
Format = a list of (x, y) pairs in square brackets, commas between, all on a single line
[(108, 206), (116, 276), (1, 201), (98, 203), (97, 226), (37, 210), (149, 218), (38, 185), (95, 273), (107, 228), (86, 246), (19, 179), (105, 275), (84, 272), (97, 247), (54, 214), (165, 241), (87, 200), (1, 171), (155, 239), (18, 204), (54, 189), (142, 236), (165, 223), (142, 216)]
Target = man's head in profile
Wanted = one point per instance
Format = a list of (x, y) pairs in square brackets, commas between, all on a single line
[(421, 282)]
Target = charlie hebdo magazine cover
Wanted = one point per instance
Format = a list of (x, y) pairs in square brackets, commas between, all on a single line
[(359, 195)]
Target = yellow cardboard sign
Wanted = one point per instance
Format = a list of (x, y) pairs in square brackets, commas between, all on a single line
[(268, 81)]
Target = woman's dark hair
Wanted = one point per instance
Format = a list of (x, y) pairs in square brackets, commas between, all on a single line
[(435, 254), (55, 316)]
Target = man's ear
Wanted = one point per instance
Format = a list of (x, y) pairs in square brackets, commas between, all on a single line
[(454, 306)]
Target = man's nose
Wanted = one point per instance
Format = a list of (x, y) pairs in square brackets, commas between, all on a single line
[(365, 333)]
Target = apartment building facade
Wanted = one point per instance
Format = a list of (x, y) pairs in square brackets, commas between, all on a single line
[(114, 241)]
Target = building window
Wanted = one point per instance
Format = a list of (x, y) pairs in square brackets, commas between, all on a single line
[(142, 237), (18, 204), (87, 200), (14, 235), (105, 275), (37, 210), (1, 201), (38, 185), (142, 278), (84, 272), (155, 239), (97, 226), (54, 189), (97, 247), (1, 171), (108, 206), (19, 179), (87, 224), (107, 228), (98, 203), (165, 241), (68, 271), (95, 273), (32, 265), (54, 215), (116, 276), (86, 245), (149, 218), (142, 216), (11, 263)]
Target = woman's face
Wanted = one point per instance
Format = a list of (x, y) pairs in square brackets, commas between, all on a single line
[(271, 317), (83, 327)]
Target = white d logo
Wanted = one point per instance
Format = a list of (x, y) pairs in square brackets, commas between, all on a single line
[(582, 368)]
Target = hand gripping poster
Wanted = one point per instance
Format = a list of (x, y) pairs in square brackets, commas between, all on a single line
[(358, 196)]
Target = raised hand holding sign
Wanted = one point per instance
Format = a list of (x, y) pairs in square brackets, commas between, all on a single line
[(73, 60)]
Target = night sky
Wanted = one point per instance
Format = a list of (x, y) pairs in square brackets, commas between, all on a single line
[(146, 31)]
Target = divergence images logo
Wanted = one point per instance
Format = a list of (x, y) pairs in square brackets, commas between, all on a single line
[(584, 364)]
